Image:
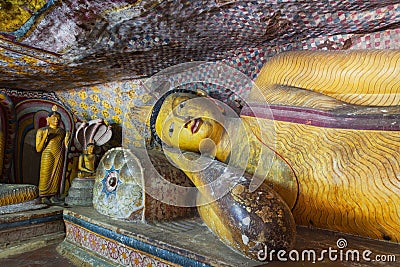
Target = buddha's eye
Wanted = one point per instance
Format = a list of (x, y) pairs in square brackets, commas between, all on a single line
[(171, 129), (181, 105)]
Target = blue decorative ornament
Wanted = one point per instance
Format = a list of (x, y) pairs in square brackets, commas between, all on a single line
[(111, 181)]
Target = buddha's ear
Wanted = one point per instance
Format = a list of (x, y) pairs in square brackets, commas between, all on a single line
[(142, 113), (47, 120)]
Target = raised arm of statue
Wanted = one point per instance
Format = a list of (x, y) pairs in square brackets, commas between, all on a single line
[(41, 139), (67, 138)]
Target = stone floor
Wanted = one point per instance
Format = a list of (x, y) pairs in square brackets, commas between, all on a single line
[(48, 256), (43, 257)]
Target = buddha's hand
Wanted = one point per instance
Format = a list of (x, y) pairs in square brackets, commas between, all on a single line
[(46, 136), (46, 133), (67, 137)]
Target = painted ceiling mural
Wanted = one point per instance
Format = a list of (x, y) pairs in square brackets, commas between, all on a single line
[(56, 45)]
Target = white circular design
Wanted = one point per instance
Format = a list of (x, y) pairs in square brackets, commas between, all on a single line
[(112, 181), (341, 243), (118, 190)]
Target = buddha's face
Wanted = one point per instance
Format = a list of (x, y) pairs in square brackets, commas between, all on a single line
[(54, 120), (185, 121), (90, 149)]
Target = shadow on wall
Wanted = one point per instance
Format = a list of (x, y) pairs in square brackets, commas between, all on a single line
[(8, 127)]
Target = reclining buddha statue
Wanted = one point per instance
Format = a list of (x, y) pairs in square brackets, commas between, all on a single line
[(320, 127), (244, 218)]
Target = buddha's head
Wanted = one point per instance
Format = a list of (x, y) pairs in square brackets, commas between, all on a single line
[(54, 119), (187, 120), (90, 148)]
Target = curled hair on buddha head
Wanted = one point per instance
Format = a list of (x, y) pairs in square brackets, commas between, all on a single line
[(157, 107), (53, 112)]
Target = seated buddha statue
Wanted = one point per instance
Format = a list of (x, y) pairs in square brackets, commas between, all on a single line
[(87, 162), (320, 127)]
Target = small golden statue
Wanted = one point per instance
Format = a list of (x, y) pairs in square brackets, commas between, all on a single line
[(87, 162), (52, 141), (90, 135)]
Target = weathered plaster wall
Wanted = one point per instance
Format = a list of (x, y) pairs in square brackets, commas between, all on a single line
[(92, 53), (89, 42), (111, 102)]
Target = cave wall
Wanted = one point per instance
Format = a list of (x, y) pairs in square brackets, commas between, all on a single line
[(95, 58)]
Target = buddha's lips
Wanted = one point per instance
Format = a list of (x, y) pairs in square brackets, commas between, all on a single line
[(195, 125)]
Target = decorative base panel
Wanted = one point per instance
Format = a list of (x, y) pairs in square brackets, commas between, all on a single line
[(19, 228), (93, 239), (100, 241)]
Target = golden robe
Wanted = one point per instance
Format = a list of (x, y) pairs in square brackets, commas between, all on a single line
[(336, 121), (52, 162)]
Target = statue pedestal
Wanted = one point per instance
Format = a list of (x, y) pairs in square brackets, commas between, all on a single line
[(18, 198), (81, 192), (99, 240), (22, 231), (93, 239)]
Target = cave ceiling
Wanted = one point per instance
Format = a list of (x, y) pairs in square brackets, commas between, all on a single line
[(56, 45)]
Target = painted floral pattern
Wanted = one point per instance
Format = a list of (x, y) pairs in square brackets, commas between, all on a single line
[(110, 249), (124, 254), (93, 242), (149, 262), (113, 250), (103, 247), (85, 239), (136, 259)]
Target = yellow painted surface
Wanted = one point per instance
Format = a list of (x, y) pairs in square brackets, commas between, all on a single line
[(17, 194), (14, 13), (2, 144), (263, 162), (210, 216), (349, 180), (361, 77), (268, 218), (176, 124)]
